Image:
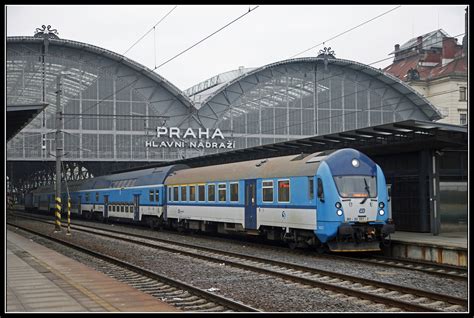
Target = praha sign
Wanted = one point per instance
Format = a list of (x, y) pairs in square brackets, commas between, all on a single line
[(190, 133)]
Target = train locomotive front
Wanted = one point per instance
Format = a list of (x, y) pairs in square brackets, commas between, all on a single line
[(352, 203)]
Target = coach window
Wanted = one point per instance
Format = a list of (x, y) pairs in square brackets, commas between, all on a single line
[(184, 193), (122, 208), (211, 192), (234, 192), (131, 209), (267, 188), (157, 195), (126, 208), (97, 197), (175, 194), (201, 193), (311, 188), (284, 191), (222, 192), (87, 197), (152, 196), (192, 193)]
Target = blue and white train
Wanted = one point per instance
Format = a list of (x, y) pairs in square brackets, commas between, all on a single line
[(335, 199)]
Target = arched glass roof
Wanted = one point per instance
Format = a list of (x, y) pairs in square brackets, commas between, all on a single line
[(304, 97), (204, 89), (110, 103)]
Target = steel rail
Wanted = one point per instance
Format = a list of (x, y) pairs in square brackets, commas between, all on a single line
[(223, 301)]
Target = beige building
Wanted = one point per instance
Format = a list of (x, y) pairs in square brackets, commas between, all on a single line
[(435, 65)]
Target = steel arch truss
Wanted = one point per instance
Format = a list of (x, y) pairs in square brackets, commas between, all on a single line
[(303, 97), (106, 98)]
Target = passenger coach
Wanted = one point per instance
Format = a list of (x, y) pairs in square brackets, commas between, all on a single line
[(334, 198)]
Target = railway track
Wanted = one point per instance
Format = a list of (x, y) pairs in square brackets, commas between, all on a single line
[(454, 272), (179, 294), (405, 298), (441, 270)]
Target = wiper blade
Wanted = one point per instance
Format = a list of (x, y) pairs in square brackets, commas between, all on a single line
[(368, 192)]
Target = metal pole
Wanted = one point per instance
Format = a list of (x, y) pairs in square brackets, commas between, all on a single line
[(68, 216), (58, 153)]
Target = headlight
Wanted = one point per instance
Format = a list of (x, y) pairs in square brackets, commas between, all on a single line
[(339, 212), (381, 205), (338, 205), (355, 163), (381, 212)]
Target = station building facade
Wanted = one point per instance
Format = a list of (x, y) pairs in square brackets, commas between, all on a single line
[(118, 111)]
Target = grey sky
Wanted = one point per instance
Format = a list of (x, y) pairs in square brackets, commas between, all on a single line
[(268, 34)]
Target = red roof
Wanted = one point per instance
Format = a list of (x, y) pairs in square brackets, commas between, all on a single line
[(400, 68)]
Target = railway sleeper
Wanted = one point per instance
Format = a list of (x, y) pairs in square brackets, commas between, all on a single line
[(203, 307)]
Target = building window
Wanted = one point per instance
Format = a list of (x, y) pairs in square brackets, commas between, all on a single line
[(234, 192), (267, 188), (462, 119), (462, 94), (211, 193)]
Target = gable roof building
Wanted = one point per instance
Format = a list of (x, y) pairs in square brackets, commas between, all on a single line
[(435, 65)]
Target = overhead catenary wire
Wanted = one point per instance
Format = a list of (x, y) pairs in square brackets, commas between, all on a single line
[(152, 28), (353, 28), (144, 72), (228, 24), (207, 37)]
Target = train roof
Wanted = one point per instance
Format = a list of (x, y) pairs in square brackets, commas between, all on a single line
[(135, 178), (142, 177), (287, 166)]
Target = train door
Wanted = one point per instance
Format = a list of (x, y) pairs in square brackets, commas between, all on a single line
[(136, 210), (164, 195), (250, 204), (106, 206)]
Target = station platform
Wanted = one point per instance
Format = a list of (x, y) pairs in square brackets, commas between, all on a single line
[(42, 280), (446, 248)]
